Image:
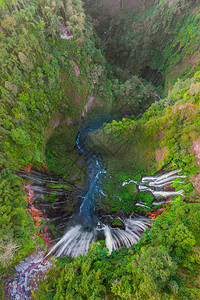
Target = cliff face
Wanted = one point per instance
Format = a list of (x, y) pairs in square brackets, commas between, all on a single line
[(111, 7), (155, 40), (50, 71), (167, 134), (54, 76)]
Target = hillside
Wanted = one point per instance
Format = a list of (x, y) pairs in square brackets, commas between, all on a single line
[(125, 75), (47, 79), (157, 40)]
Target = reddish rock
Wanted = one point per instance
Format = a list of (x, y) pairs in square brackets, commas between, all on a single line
[(196, 183), (196, 150), (41, 227), (161, 154), (76, 69)]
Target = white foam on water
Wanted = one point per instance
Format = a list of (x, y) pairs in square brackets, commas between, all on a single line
[(158, 182), (76, 240), (117, 237)]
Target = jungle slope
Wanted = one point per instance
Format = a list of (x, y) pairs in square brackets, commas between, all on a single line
[(50, 68), (165, 262), (48, 80), (167, 133), (154, 39)]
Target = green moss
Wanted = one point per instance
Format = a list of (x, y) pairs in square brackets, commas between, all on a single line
[(60, 186), (117, 222), (61, 155)]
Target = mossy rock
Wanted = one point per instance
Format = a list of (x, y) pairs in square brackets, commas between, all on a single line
[(117, 223)]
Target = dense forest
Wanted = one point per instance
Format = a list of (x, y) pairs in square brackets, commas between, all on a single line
[(134, 65)]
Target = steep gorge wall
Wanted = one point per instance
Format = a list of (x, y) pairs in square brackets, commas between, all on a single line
[(50, 69), (166, 134), (153, 39)]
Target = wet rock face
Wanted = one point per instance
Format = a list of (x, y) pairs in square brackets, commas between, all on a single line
[(28, 273), (153, 76)]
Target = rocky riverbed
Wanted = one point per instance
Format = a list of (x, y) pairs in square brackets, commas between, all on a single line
[(27, 274)]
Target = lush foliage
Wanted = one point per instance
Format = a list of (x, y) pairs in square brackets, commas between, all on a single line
[(165, 262), (16, 225), (156, 267), (38, 76), (47, 62), (155, 39), (51, 66)]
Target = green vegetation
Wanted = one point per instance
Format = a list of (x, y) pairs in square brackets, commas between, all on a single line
[(159, 266), (60, 186), (52, 68), (147, 36), (45, 79), (38, 79), (164, 134), (16, 226)]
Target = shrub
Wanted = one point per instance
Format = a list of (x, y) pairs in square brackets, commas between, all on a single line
[(20, 137)]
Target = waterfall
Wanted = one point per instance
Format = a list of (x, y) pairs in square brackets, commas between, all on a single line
[(159, 182), (116, 237), (76, 240), (87, 228)]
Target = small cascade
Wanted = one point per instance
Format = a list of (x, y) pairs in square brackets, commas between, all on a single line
[(38, 190), (76, 240), (156, 184), (116, 237)]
